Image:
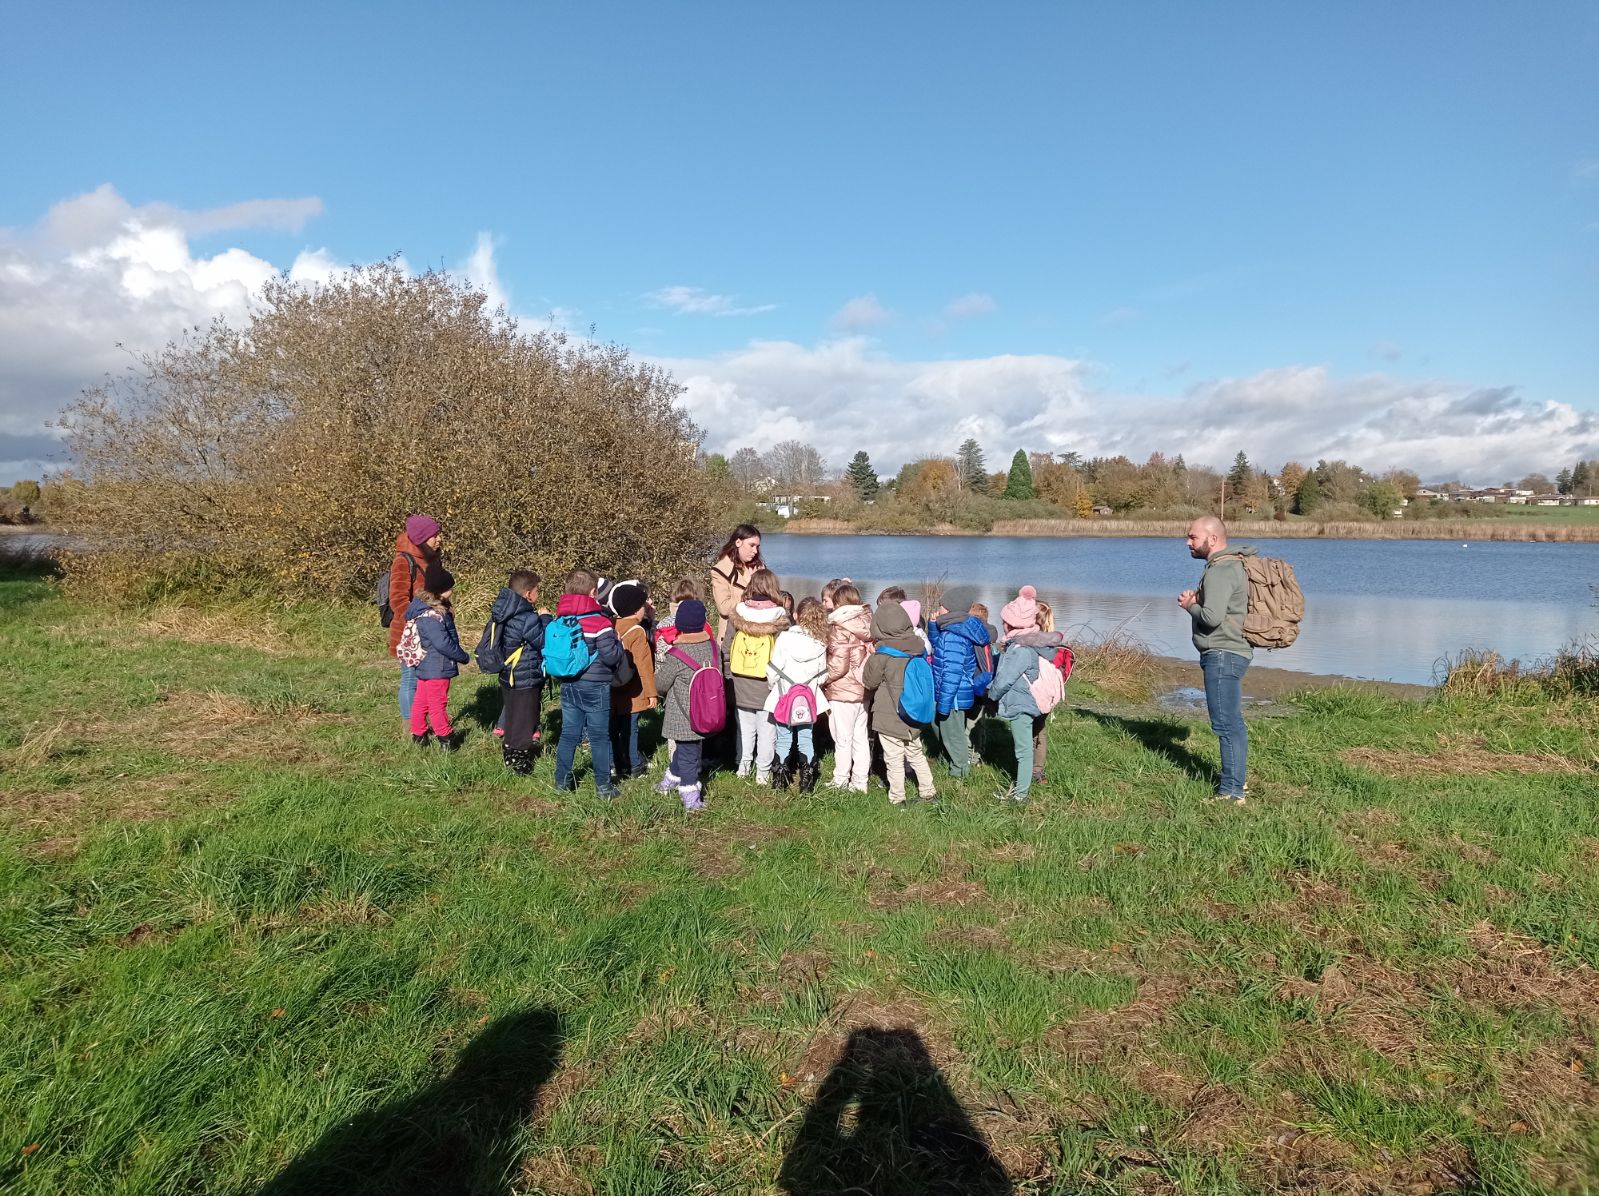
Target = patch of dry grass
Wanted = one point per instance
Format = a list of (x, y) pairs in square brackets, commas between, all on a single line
[(1457, 759), (39, 745)]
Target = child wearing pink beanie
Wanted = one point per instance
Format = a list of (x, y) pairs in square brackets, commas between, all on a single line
[(1020, 615)]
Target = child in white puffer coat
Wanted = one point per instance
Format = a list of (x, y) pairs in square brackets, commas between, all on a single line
[(799, 658)]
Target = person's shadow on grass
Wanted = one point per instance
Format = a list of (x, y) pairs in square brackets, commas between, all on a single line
[(1163, 738), (885, 1122), (460, 1134)]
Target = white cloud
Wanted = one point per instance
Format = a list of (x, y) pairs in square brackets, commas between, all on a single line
[(1387, 351), (842, 395), (480, 270), (861, 312), (696, 301), (97, 279), (974, 303), (1120, 315)]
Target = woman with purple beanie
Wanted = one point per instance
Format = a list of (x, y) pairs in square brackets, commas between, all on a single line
[(415, 549)]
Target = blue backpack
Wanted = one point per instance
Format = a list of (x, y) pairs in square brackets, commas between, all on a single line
[(916, 701), (567, 652)]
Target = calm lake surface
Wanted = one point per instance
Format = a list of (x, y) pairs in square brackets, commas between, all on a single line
[(1389, 610)]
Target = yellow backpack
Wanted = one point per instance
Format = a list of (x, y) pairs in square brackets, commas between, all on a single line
[(749, 655)]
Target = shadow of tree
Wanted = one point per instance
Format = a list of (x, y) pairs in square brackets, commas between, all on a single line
[(459, 1135), (1166, 739), (885, 1122)]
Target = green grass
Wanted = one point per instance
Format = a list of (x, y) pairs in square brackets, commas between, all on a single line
[(252, 940)]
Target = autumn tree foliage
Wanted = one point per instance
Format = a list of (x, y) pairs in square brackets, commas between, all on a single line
[(287, 452)]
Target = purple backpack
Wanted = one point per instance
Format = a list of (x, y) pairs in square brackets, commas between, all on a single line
[(707, 698)]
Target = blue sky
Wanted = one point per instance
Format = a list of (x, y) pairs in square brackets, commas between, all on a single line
[(1054, 225)]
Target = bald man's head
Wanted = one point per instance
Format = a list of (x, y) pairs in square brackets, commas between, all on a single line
[(1206, 535)]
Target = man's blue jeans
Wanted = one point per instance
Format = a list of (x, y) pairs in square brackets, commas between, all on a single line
[(1224, 698), (585, 705), (407, 691)]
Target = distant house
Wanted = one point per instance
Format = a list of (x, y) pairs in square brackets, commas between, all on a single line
[(788, 505), (1546, 500), (1592, 501), (1102, 509)]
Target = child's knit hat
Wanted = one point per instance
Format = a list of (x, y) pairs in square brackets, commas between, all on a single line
[(626, 598), (690, 616), (913, 608), (1021, 614), (436, 579), (419, 529)]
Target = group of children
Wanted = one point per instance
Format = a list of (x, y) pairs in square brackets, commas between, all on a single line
[(778, 670)]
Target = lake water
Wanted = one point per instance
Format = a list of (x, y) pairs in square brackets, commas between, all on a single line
[(1389, 610)]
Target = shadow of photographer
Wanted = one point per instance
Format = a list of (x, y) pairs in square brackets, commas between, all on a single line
[(461, 1134), (885, 1123)]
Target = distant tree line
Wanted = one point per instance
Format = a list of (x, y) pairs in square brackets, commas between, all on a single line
[(959, 489)]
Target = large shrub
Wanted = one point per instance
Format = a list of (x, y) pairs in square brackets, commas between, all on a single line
[(289, 451)]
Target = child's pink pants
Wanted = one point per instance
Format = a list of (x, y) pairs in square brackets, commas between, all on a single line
[(432, 695)]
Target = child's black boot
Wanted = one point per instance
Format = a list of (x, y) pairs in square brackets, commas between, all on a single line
[(808, 775), (423, 739), (519, 760)]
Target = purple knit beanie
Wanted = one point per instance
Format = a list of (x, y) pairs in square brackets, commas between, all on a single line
[(421, 528)]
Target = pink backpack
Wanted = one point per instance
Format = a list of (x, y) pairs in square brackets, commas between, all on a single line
[(796, 707), (707, 698), (1048, 688)]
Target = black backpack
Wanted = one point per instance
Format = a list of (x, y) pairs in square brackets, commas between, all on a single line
[(490, 650), (380, 592)]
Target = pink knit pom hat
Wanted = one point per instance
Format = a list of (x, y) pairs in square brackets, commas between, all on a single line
[(1021, 614)]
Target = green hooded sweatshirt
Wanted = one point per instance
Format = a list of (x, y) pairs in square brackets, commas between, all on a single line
[(1222, 603)]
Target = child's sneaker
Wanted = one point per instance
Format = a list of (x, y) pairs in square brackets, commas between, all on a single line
[(499, 732), (692, 802)]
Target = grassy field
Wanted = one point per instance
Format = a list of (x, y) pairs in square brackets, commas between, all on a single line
[(253, 941)]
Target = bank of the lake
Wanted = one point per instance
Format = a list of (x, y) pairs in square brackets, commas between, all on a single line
[(1548, 531)]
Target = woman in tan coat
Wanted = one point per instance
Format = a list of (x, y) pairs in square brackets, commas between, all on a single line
[(737, 562)]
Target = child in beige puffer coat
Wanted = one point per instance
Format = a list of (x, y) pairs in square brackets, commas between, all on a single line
[(849, 643)]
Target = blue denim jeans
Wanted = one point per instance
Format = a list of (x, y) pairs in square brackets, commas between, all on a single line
[(1224, 698), (624, 745), (785, 741), (585, 705), (407, 691)]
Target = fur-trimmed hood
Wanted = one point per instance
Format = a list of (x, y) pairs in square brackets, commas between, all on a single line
[(760, 620)]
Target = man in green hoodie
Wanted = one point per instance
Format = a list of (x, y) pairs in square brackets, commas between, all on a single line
[(1218, 608)]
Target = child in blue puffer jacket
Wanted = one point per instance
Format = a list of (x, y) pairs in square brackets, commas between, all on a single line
[(430, 622), (1027, 648), (957, 681)]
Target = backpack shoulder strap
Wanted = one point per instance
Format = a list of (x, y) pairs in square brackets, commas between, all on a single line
[(887, 651), (690, 661)]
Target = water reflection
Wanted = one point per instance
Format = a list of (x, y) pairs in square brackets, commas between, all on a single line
[(1387, 609)]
